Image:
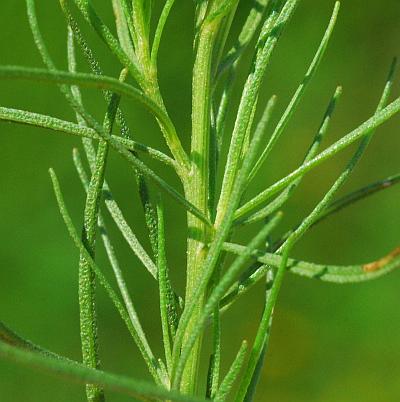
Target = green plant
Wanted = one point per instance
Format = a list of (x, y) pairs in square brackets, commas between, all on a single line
[(215, 211)]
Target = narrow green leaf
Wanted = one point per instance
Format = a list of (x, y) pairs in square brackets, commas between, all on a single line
[(340, 274), (55, 124), (363, 130), (87, 282), (113, 261), (262, 332), (105, 34), (86, 80), (9, 337), (360, 150), (232, 374), (251, 389), (299, 92), (149, 358), (111, 84), (123, 32), (223, 33), (222, 10), (221, 113), (265, 117), (118, 218), (277, 203), (247, 33), (214, 366), (76, 372), (160, 29), (269, 37), (359, 195), (164, 286), (231, 63), (75, 34), (294, 237), (149, 210), (87, 300)]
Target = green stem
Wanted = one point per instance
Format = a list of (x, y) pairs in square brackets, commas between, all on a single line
[(197, 188)]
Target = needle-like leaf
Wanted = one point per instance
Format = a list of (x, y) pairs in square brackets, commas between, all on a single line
[(363, 130), (55, 124), (76, 372), (166, 295), (299, 92), (148, 357), (118, 218), (294, 237), (105, 34), (159, 30), (231, 375), (113, 260), (277, 203), (247, 33), (271, 31), (359, 195), (9, 337), (123, 31)]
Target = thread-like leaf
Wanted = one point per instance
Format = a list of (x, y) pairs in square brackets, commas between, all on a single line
[(149, 358), (359, 195), (76, 372), (105, 34), (299, 92), (165, 291), (124, 26), (269, 36), (340, 274), (232, 374), (247, 33), (271, 297), (55, 124), (87, 283), (113, 260), (148, 207), (160, 28), (86, 80), (113, 85), (277, 203), (75, 34), (359, 152), (214, 365), (363, 130), (119, 219)]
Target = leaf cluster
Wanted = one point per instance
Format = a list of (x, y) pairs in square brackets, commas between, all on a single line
[(216, 209)]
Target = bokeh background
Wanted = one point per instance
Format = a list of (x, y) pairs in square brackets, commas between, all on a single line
[(330, 343)]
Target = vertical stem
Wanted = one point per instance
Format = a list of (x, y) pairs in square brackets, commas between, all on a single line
[(197, 187)]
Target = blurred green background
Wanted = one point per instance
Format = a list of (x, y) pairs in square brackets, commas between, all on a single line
[(330, 343)]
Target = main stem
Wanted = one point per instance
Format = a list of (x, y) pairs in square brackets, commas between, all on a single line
[(197, 190)]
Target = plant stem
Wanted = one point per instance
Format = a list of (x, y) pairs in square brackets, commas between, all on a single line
[(197, 187)]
